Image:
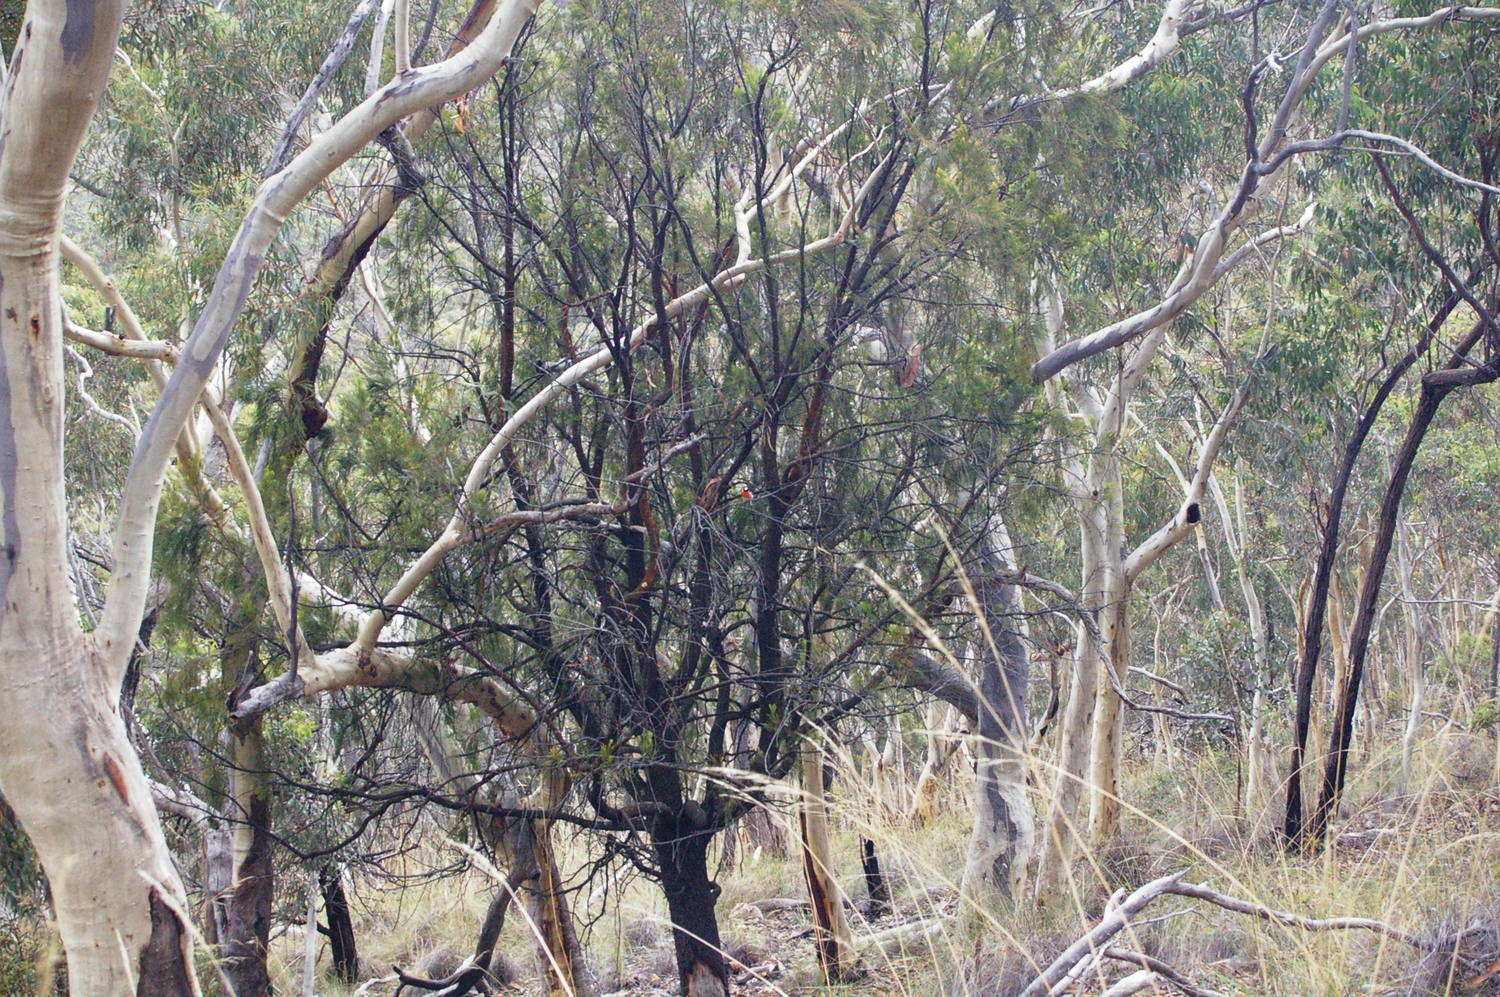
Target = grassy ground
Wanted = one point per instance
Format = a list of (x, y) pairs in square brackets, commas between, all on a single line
[(1422, 858)]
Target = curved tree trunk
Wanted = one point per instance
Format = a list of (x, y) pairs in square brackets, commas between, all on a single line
[(67, 767), (1435, 387), (1311, 641)]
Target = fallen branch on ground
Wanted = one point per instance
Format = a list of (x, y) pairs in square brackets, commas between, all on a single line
[(1201, 891), (1161, 969), (1079, 957)]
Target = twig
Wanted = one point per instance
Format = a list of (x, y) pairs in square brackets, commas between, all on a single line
[(331, 65), (1161, 969), (1160, 680)]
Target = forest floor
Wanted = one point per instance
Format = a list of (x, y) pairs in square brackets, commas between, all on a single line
[(1424, 858)]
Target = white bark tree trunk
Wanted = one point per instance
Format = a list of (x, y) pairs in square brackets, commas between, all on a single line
[(1415, 652), (1262, 774), (1106, 746), (66, 765), (942, 742)]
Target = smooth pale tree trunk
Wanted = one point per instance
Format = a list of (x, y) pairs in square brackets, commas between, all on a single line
[(66, 765), (1114, 656), (1061, 830), (1261, 766), (832, 938), (1003, 838), (942, 743), (884, 775), (1210, 577), (1114, 614), (1107, 744), (1069, 771), (1413, 646)]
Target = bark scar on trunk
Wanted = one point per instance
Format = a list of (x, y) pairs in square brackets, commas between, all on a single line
[(116, 777), (78, 30), (163, 966)]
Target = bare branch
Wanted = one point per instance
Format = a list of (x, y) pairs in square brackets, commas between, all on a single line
[(331, 65), (278, 195), (1094, 939), (456, 532), (1270, 156), (1161, 969), (1191, 511), (1162, 46), (1202, 891)]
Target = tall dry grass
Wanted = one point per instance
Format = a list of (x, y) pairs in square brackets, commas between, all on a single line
[(1424, 857)]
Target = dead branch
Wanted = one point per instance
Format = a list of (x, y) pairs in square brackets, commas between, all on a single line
[(1161, 969), (1107, 928), (1077, 956), (1202, 891)]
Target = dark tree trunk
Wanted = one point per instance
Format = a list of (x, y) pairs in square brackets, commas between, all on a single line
[(340, 925), (878, 890), (247, 906), (1435, 387), (1317, 607), (461, 982), (681, 845)]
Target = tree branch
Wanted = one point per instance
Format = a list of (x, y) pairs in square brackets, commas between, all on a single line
[(277, 197)]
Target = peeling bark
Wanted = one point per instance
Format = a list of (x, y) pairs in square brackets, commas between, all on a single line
[(246, 935), (832, 939), (1001, 845)]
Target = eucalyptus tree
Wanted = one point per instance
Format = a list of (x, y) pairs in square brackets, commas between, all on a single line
[(1464, 265), (1251, 176), (676, 586), (70, 771)]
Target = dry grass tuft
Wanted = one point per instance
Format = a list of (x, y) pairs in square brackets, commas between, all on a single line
[(1420, 857)]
